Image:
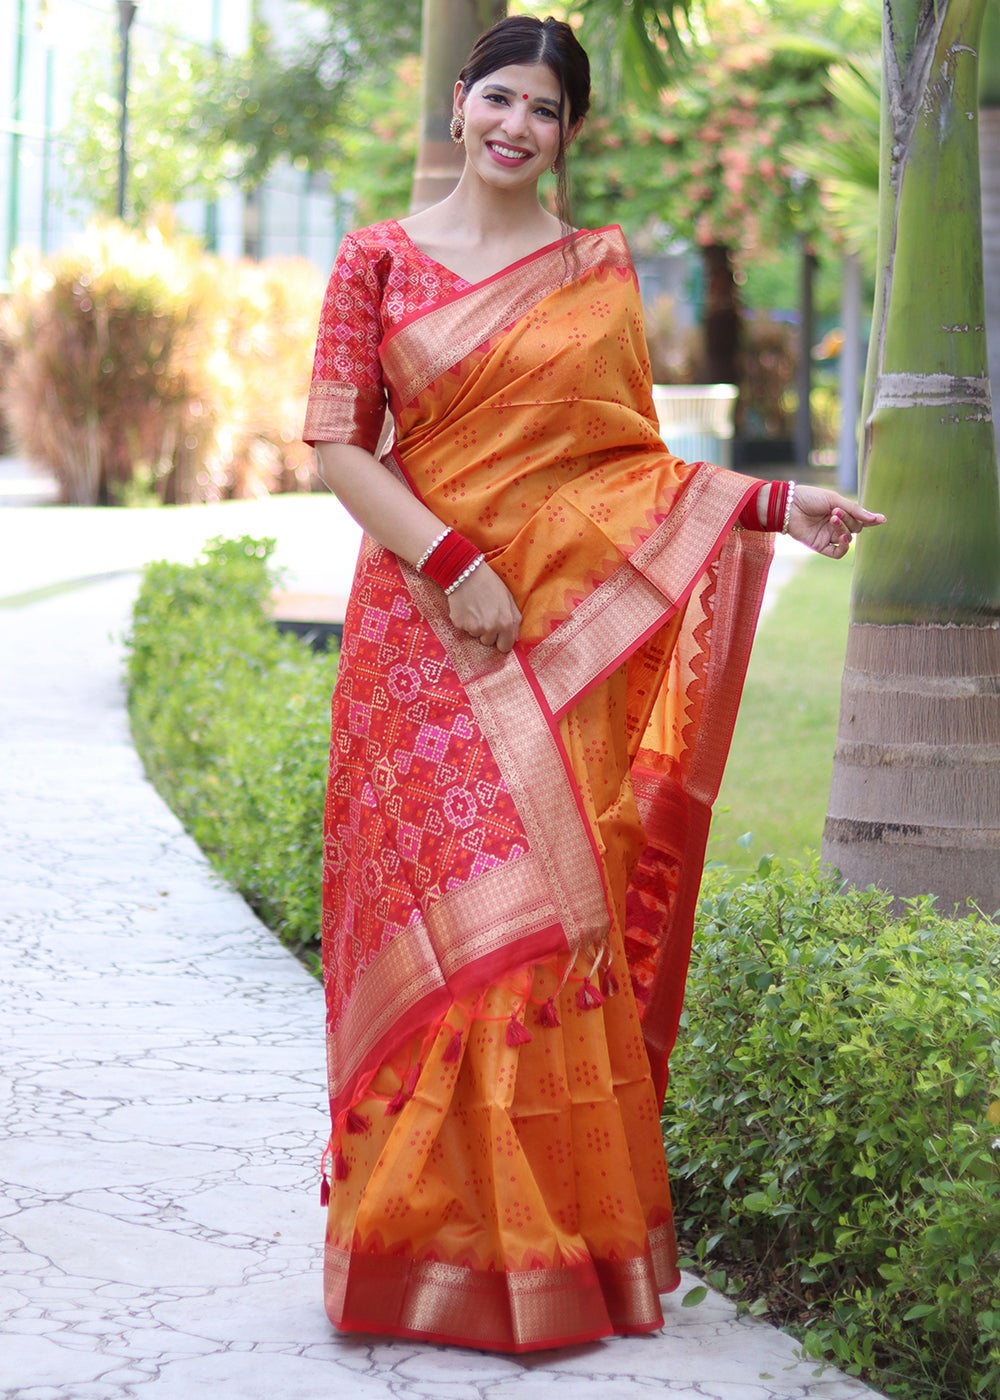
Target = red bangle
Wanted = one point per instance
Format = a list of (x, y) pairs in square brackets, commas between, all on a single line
[(449, 559), (776, 499), (774, 515)]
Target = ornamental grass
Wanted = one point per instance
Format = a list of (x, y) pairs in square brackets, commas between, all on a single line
[(142, 370)]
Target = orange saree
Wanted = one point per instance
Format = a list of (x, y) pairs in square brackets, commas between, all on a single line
[(514, 843)]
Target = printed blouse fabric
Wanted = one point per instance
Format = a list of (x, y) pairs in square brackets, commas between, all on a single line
[(379, 278)]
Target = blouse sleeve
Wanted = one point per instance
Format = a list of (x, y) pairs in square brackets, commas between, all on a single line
[(347, 397)]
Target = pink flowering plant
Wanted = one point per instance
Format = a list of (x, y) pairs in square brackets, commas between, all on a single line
[(708, 159)]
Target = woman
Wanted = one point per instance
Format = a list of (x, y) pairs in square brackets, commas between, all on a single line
[(542, 659)]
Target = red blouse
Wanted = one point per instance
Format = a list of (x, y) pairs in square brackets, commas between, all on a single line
[(380, 276)]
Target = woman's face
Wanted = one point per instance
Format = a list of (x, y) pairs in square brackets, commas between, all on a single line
[(511, 123)]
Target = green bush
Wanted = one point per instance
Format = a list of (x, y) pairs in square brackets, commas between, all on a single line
[(142, 369), (833, 1113), (231, 720)]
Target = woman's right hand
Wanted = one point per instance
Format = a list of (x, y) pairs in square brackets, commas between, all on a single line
[(483, 606)]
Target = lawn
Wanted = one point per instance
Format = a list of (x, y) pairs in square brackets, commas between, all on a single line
[(778, 778)]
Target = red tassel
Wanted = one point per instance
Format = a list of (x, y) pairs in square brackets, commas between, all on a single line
[(412, 1077), (340, 1165), (610, 983), (453, 1050), (588, 996), (516, 1034), (324, 1191), (356, 1122), (395, 1104), (549, 1016)]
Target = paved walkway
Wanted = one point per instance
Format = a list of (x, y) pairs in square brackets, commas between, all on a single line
[(162, 1084)]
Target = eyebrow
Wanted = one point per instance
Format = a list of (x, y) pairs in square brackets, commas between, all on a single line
[(552, 102)]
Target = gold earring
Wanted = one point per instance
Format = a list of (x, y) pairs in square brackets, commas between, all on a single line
[(457, 129)]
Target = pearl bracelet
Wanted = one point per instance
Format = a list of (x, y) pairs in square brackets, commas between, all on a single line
[(479, 559), (419, 565), (788, 507)]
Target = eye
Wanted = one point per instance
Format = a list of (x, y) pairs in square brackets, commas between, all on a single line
[(497, 97), (546, 112)]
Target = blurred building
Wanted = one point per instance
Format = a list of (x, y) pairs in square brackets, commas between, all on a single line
[(42, 45)]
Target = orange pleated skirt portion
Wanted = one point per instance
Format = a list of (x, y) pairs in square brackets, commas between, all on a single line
[(502, 1181)]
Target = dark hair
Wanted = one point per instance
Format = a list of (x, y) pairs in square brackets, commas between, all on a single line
[(525, 39)]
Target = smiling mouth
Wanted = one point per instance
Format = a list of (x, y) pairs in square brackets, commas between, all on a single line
[(508, 152)]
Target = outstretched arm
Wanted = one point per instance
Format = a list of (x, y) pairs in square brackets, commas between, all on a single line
[(825, 521)]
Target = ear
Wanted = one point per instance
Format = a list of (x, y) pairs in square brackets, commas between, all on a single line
[(572, 134), (458, 100)]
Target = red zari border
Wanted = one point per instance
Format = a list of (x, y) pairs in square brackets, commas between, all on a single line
[(470, 318), (643, 594), (739, 592), (494, 1310)]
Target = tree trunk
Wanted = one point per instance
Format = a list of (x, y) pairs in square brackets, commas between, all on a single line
[(450, 28), (850, 375), (989, 170), (924, 804), (721, 317), (915, 798), (989, 161)]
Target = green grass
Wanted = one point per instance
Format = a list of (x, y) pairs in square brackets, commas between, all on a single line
[(778, 778)]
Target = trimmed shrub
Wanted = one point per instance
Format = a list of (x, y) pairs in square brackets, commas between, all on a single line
[(231, 720), (832, 1122), (143, 369)]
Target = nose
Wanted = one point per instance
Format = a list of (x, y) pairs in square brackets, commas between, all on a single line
[(516, 118)]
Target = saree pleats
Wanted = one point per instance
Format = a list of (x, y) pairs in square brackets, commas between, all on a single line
[(514, 843), (520, 1196)]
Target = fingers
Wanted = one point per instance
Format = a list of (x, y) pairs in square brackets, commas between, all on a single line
[(483, 607), (855, 519)]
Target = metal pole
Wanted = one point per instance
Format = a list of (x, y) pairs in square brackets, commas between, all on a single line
[(16, 113), (47, 139), (126, 14), (212, 205)]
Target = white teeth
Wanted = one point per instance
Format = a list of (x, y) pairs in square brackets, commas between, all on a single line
[(507, 151)]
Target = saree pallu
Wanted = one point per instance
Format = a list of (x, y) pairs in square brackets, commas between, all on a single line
[(514, 844)]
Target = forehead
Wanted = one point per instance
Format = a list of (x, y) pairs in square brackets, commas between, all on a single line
[(536, 79)]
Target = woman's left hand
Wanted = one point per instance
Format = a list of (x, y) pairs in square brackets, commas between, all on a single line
[(825, 521)]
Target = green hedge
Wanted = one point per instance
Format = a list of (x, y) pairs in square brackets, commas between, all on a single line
[(833, 1119), (832, 1124), (232, 722)]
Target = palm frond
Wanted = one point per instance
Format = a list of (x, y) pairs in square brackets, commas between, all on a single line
[(847, 169), (638, 45)]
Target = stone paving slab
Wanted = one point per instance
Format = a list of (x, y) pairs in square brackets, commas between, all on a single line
[(162, 1106)]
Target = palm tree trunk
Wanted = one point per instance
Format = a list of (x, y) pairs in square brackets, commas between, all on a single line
[(450, 28), (989, 170), (915, 798)]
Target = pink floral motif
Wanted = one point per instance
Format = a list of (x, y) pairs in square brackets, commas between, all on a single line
[(460, 807)]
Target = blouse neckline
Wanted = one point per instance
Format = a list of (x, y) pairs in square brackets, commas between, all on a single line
[(518, 262)]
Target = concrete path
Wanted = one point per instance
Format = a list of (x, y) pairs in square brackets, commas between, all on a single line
[(162, 1078)]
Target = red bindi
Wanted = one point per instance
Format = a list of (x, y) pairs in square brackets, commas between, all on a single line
[(525, 96)]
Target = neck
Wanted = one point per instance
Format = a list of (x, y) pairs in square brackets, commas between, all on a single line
[(489, 215)]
